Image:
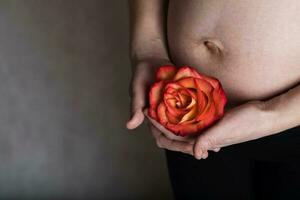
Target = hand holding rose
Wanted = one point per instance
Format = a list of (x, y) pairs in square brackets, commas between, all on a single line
[(239, 124), (142, 76), (186, 103)]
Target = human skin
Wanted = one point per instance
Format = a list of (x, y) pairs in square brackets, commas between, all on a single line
[(252, 47)]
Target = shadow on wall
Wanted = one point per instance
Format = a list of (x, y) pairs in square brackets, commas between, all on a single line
[(64, 74)]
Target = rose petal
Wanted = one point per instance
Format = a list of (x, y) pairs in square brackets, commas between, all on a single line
[(184, 99), (197, 74), (214, 82), (175, 111), (192, 103), (171, 91), (166, 72), (192, 121), (155, 96), (220, 101), (185, 72), (191, 114), (187, 83), (183, 130), (161, 114), (190, 127), (167, 95), (171, 118), (209, 111), (184, 91), (202, 102), (173, 86), (171, 102), (192, 93), (203, 85)]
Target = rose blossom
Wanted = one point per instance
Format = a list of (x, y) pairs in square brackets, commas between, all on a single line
[(185, 101)]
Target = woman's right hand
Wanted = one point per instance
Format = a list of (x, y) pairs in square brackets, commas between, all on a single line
[(142, 77)]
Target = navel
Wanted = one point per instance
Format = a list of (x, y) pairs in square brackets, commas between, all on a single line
[(214, 46)]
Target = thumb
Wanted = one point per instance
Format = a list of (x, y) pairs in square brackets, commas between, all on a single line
[(137, 106), (136, 120)]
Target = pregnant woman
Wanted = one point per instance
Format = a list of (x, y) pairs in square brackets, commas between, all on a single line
[(253, 48)]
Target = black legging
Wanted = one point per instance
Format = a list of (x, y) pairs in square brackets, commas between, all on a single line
[(267, 168)]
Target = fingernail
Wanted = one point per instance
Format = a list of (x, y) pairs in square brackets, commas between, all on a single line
[(198, 155)]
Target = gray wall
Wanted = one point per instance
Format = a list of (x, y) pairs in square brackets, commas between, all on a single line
[(64, 74)]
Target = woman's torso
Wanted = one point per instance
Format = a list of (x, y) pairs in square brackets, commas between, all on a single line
[(252, 47)]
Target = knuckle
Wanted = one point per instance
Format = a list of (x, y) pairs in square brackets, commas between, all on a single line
[(138, 84), (138, 103), (136, 109), (209, 143)]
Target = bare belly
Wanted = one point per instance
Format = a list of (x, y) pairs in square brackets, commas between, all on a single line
[(251, 46)]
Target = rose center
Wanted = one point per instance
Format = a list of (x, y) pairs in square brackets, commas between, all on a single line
[(182, 100)]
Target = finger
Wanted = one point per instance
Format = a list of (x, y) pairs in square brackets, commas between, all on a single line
[(164, 142), (202, 145), (205, 155), (174, 145), (217, 149), (155, 132), (136, 120), (137, 105), (168, 133)]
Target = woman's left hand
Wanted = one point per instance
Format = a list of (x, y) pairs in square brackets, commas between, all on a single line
[(240, 124)]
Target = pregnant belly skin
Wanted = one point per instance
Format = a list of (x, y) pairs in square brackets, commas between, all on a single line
[(253, 49)]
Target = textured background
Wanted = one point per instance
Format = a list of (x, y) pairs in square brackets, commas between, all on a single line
[(64, 74)]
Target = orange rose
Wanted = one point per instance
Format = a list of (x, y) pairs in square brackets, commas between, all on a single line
[(185, 101)]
